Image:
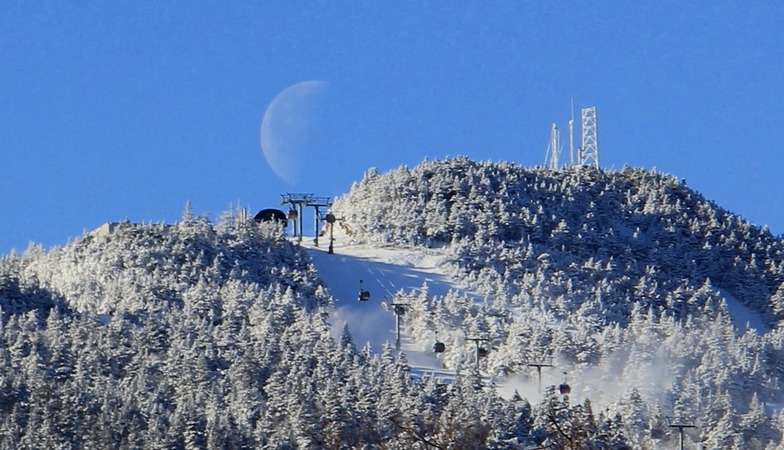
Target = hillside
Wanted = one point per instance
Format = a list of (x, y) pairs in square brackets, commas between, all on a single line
[(580, 224), (223, 335), (629, 280), (212, 336)]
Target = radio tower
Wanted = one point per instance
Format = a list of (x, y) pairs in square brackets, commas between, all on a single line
[(571, 136), (589, 150), (553, 152)]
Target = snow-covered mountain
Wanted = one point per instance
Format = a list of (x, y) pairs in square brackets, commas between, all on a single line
[(656, 303), (629, 280)]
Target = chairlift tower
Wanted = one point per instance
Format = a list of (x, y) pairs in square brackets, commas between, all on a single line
[(331, 219), (539, 366), (316, 203), (297, 201), (539, 363), (481, 352), (399, 309), (588, 154), (680, 426)]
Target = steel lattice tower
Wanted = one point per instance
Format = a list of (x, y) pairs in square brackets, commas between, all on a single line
[(589, 151)]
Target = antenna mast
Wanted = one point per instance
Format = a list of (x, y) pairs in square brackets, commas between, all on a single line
[(587, 154), (553, 150), (571, 137)]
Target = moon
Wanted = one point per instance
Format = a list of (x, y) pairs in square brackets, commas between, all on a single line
[(287, 127)]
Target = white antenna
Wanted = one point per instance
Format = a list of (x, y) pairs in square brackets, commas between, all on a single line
[(553, 149), (589, 150), (571, 137), (587, 154)]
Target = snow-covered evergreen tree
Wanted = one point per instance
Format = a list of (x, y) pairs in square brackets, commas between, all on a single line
[(201, 335)]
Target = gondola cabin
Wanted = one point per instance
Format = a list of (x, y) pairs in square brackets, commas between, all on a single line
[(482, 352), (399, 310), (439, 347), (564, 388), (363, 294), (293, 215)]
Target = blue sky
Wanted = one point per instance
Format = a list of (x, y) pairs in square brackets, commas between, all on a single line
[(115, 110)]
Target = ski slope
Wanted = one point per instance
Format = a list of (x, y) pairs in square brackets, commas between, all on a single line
[(387, 270), (383, 271)]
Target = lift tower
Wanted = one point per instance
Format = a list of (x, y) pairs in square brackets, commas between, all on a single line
[(680, 425), (316, 203), (296, 201)]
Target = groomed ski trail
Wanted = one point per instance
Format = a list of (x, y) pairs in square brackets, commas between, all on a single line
[(383, 271)]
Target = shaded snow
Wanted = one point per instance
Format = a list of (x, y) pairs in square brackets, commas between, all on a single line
[(742, 316)]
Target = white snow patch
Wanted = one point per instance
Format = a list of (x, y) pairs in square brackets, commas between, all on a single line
[(742, 316)]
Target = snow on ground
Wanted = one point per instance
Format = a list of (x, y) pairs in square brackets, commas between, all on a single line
[(383, 271), (742, 317), (386, 270)]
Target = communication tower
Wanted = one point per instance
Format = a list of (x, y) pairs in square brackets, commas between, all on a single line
[(553, 150), (587, 154), (589, 150), (571, 136)]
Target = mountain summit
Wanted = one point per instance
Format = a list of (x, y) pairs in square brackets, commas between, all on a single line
[(630, 229), (639, 303)]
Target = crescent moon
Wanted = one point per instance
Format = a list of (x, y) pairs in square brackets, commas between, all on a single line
[(287, 126)]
